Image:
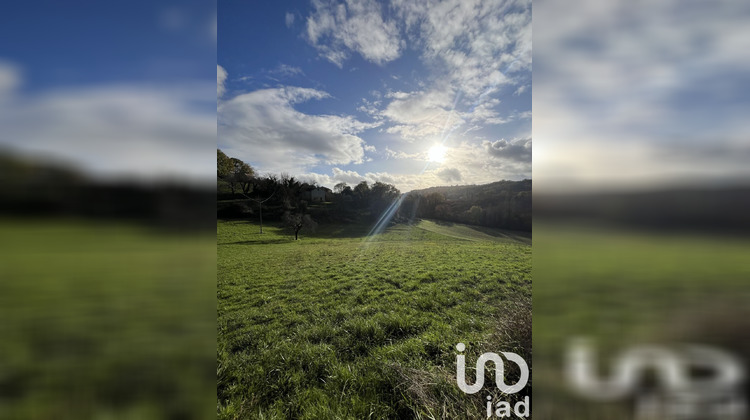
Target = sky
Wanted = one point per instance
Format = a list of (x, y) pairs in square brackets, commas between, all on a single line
[(117, 89), (626, 95), (640, 95), (415, 93)]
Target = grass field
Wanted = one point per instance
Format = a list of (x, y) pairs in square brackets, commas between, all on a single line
[(339, 325), (623, 288), (105, 320)]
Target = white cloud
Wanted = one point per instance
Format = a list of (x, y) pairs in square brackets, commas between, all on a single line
[(471, 48), (517, 150), (287, 70), (350, 177), (449, 175), (221, 77), (335, 29), (655, 82), (289, 19), (479, 44), (392, 154), (397, 95), (473, 51), (262, 127), (421, 115), (353, 178), (370, 107), (468, 164), (478, 165), (125, 130), (430, 115), (486, 114), (10, 78), (590, 164), (337, 175)]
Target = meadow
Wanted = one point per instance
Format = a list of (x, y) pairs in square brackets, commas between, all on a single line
[(105, 320), (346, 325), (625, 287)]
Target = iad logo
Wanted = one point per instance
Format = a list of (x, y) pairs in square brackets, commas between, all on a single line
[(698, 382), (503, 408), (499, 371)]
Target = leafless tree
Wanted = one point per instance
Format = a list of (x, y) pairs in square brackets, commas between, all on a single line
[(260, 202), (297, 221)]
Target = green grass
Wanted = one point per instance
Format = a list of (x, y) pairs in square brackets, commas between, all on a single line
[(475, 233), (622, 288), (339, 326), (105, 320)]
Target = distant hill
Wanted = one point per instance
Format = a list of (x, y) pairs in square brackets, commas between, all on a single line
[(502, 204), (719, 208), (469, 192), (36, 188)]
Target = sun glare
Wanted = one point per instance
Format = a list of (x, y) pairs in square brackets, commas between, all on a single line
[(436, 153)]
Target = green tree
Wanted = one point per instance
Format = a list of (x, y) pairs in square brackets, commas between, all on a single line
[(340, 187), (382, 195), (224, 166), (234, 171), (362, 190), (475, 214), (242, 174)]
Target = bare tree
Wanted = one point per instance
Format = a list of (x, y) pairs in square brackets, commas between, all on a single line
[(297, 221), (260, 202)]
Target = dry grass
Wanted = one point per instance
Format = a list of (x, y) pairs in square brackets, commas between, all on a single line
[(434, 393)]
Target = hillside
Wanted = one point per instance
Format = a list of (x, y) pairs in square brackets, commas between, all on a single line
[(470, 192), (502, 204)]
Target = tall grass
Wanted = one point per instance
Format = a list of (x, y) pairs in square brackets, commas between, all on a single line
[(337, 325)]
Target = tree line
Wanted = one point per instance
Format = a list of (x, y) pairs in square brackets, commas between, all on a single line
[(242, 193), (502, 204), (33, 187)]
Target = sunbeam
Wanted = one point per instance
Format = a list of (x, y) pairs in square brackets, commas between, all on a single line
[(384, 219)]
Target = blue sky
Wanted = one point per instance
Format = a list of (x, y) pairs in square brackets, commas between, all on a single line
[(117, 89), (93, 42), (623, 96), (413, 93)]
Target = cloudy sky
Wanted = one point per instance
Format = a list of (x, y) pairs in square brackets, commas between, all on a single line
[(625, 94), (414, 93), (639, 95), (120, 89)]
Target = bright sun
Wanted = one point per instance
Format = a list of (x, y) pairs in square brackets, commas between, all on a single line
[(436, 153)]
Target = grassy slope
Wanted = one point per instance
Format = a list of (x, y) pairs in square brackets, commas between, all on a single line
[(475, 233), (610, 282), (332, 326), (622, 288), (104, 320)]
